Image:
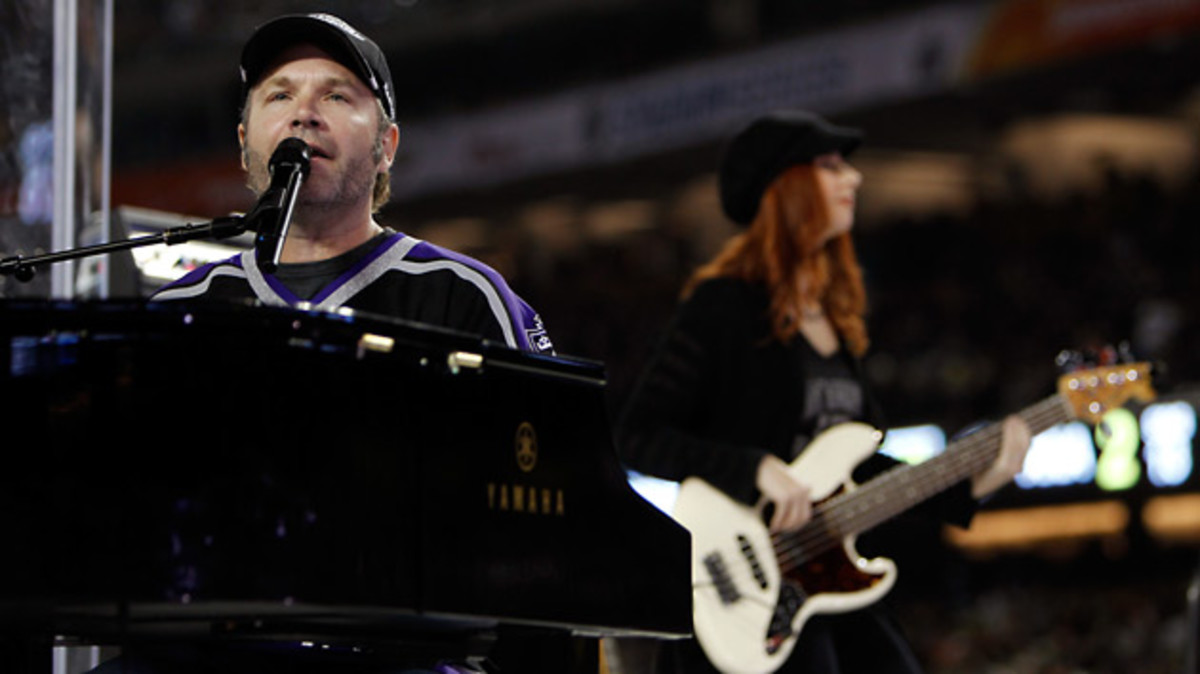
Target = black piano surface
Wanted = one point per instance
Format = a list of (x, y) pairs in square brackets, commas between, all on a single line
[(259, 473)]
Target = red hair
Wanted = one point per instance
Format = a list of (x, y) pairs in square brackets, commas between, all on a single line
[(782, 249)]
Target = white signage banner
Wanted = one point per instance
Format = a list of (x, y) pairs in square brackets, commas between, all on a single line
[(688, 105)]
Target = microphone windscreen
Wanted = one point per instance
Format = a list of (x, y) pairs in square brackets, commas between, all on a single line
[(291, 152)]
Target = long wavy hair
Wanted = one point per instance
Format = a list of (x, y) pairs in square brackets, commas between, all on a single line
[(782, 249)]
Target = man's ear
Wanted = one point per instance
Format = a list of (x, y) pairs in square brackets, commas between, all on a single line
[(242, 145), (391, 142)]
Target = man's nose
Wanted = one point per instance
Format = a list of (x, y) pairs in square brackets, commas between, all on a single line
[(306, 116)]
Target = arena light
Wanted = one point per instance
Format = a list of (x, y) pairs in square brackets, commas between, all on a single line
[(660, 493), (1168, 430), (1022, 528), (914, 444), (1060, 456)]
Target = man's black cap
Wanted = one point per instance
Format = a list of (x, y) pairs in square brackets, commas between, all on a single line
[(345, 44), (769, 145)]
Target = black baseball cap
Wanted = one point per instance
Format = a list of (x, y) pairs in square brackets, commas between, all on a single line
[(766, 147), (341, 40)]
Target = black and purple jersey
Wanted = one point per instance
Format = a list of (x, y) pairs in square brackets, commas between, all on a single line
[(401, 276)]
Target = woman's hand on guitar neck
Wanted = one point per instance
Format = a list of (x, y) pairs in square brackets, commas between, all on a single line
[(1014, 443), (792, 500)]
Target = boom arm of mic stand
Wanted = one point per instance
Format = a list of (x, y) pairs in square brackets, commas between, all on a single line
[(23, 268)]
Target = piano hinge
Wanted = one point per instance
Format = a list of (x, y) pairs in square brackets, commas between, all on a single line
[(376, 343), (457, 360)]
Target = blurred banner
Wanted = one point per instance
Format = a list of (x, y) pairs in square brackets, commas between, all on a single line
[(681, 107), (905, 56), (55, 108), (1020, 34), (902, 57)]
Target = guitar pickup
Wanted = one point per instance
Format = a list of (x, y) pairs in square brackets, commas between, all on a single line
[(752, 560), (721, 579)]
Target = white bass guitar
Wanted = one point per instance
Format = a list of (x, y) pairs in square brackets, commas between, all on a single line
[(754, 591)]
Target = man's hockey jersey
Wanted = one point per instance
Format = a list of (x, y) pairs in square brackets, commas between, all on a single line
[(401, 277)]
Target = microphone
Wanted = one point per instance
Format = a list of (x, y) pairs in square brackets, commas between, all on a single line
[(273, 212)]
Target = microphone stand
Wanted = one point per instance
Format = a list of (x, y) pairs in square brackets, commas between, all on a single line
[(24, 268)]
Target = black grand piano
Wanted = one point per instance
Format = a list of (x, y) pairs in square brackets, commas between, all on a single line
[(333, 485)]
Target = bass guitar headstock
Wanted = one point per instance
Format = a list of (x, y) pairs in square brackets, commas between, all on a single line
[(1095, 382)]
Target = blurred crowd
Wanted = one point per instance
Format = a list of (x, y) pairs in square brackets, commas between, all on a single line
[(1095, 615), (967, 312)]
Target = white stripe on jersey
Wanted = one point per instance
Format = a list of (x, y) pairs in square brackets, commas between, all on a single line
[(369, 274), (393, 259), (475, 277), (262, 290), (195, 290)]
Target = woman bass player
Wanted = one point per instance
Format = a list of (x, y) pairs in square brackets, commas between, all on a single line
[(761, 360)]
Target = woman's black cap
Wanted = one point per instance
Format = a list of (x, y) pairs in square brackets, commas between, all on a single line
[(766, 147)]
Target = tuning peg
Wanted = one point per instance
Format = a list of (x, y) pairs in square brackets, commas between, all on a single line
[(1107, 355), (1125, 352), (1069, 360)]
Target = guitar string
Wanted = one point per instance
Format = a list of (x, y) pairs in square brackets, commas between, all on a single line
[(836, 517), (866, 506), (955, 464)]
